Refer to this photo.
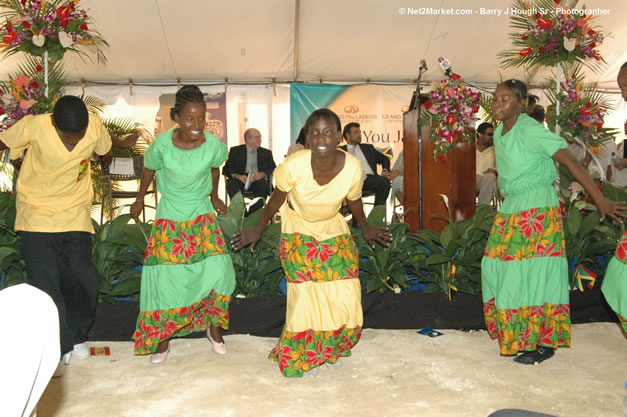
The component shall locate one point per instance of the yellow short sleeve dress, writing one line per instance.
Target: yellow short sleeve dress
(324, 316)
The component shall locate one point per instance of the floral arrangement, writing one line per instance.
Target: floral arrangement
(55, 26)
(452, 109)
(547, 33)
(25, 93)
(582, 111)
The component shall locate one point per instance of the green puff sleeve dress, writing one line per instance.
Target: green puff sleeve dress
(524, 270)
(614, 285)
(188, 277)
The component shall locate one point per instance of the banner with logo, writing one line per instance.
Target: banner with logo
(377, 108)
(215, 116)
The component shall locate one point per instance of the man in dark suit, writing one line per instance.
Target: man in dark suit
(370, 158)
(249, 160)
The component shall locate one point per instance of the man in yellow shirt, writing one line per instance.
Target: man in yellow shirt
(53, 197)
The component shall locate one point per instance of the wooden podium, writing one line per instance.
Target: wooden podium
(455, 178)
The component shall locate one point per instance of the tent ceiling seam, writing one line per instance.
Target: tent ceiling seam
(165, 37)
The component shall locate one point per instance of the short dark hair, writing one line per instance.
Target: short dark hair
(70, 114)
(187, 94)
(623, 66)
(323, 114)
(348, 127)
(537, 113)
(301, 139)
(518, 87)
(484, 126)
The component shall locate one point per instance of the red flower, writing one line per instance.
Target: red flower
(72, 5)
(168, 329)
(428, 104)
(187, 245)
(285, 356)
(148, 249)
(9, 27)
(526, 52)
(441, 158)
(592, 44)
(542, 49)
(156, 315)
(219, 240)
(530, 224)
(592, 32)
(84, 26)
(538, 15)
(525, 37)
(165, 224)
(545, 23)
(312, 252)
(456, 106)
(455, 77)
(524, 337)
(64, 23)
(26, 24)
(9, 38)
(621, 250)
(39, 68)
(588, 105)
(63, 13)
(557, 1)
(1, 111)
(34, 84)
(451, 119)
(547, 335)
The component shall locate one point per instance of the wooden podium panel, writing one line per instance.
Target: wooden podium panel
(454, 178)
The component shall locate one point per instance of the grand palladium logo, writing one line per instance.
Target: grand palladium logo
(351, 109)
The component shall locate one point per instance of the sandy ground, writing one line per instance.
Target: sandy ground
(391, 373)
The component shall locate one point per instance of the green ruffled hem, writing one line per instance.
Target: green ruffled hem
(301, 352)
(524, 328)
(155, 326)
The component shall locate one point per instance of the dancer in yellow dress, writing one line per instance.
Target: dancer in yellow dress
(324, 317)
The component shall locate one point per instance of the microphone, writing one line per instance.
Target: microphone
(423, 65)
(446, 65)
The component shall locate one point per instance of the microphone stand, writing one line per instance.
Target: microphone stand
(419, 133)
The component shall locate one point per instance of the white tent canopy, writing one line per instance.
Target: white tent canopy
(205, 41)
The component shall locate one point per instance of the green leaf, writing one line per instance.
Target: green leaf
(574, 221)
(437, 259)
(377, 216)
(447, 235)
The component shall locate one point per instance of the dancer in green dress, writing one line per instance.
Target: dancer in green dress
(188, 276)
(524, 269)
(614, 285)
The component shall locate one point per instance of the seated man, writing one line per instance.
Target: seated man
(249, 160)
(370, 158)
(486, 163)
(396, 176)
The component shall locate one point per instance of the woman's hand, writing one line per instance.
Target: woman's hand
(219, 205)
(611, 208)
(248, 236)
(136, 208)
(376, 233)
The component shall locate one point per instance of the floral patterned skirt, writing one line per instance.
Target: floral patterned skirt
(187, 280)
(524, 275)
(615, 282)
(324, 317)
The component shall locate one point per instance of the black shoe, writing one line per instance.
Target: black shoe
(541, 354)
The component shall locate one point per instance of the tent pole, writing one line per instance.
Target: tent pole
(296, 37)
